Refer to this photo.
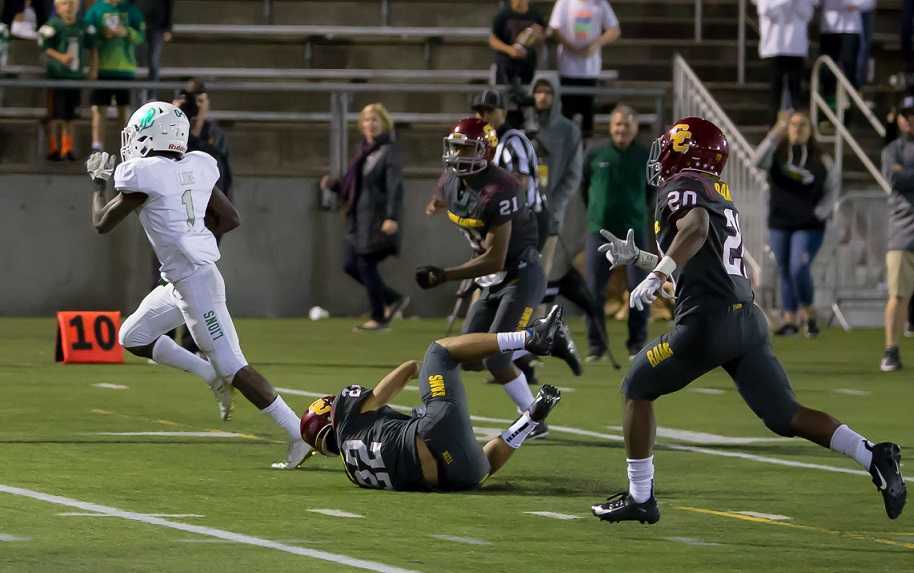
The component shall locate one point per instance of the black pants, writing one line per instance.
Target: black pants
(843, 50)
(364, 269)
(572, 287)
(785, 70)
(573, 104)
(907, 30)
(42, 10)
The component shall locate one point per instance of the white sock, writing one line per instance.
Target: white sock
(640, 478)
(853, 445)
(508, 341)
(519, 391)
(166, 351)
(518, 354)
(515, 435)
(283, 415)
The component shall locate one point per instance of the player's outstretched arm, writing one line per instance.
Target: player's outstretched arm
(388, 388)
(221, 215)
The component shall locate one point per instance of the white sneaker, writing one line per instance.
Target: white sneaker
(299, 451)
(223, 392)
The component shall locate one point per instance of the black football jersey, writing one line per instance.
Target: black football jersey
(497, 200)
(716, 277)
(379, 447)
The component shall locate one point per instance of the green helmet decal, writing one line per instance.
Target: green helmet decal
(146, 120)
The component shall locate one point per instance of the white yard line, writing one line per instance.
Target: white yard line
(851, 392)
(336, 513)
(554, 515)
(677, 447)
(5, 537)
(703, 438)
(463, 540)
(708, 391)
(207, 531)
(107, 386)
(214, 434)
(771, 516)
(692, 541)
(93, 514)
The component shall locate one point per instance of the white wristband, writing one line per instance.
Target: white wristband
(667, 266)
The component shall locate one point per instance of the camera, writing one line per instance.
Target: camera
(189, 104)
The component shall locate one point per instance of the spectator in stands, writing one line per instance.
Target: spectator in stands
(11, 8)
(205, 133)
(840, 26)
(898, 169)
(516, 32)
(119, 27)
(802, 187)
(896, 125)
(784, 42)
(158, 17)
(582, 28)
(64, 40)
(371, 195)
(616, 192)
(867, 16)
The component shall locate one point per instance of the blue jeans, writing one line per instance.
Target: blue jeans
(866, 39)
(795, 251)
(598, 279)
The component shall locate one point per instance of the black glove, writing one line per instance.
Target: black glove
(428, 276)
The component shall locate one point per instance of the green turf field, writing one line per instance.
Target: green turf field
(225, 510)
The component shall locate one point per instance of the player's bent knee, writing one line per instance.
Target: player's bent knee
(133, 335)
(437, 353)
(632, 389)
(780, 423)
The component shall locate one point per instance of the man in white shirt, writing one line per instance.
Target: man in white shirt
(784, 42)
(180, 207)
(582, 28)
(840, 26)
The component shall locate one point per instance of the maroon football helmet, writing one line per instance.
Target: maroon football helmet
(317, 426)
(692, 143)
(470, 146)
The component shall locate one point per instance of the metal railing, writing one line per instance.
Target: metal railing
(748, 184)
(340, 99)
(845, 95)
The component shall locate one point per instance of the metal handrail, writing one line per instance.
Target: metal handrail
(844, 88)
(748, 183)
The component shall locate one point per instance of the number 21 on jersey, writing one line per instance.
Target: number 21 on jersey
(733, 246)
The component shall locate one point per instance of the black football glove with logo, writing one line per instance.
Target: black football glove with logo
(429, 277)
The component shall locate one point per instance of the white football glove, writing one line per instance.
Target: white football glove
(100, 166)
(646, 292)
(617, 251)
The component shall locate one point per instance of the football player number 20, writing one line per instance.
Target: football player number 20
(733, 246)
(372, 472)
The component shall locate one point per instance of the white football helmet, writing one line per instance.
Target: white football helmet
(157, 126)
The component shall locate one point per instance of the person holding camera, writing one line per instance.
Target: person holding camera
(205, 133)
(371, 196)
(516, 31)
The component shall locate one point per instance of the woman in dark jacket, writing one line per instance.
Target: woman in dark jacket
(371, 195)
(801, 181)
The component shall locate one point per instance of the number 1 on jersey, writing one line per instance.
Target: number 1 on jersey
(188, 199)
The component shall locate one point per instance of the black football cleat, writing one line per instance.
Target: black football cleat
(541, 336)
(621, 507)
(546, 399)
(886, 471)
(563, 347)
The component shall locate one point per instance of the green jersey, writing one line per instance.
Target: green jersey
(73, 39)
(116, 55)
(616, 185)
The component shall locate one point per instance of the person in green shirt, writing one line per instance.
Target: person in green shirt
(119, 30)
(615, 192)
(64, 40)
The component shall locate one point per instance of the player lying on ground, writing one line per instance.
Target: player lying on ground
(434, 448)
(180, 207)
(717, 323)
(490, 209)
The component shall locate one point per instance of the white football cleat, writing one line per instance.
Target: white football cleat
(299, 451)
(222, 390)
